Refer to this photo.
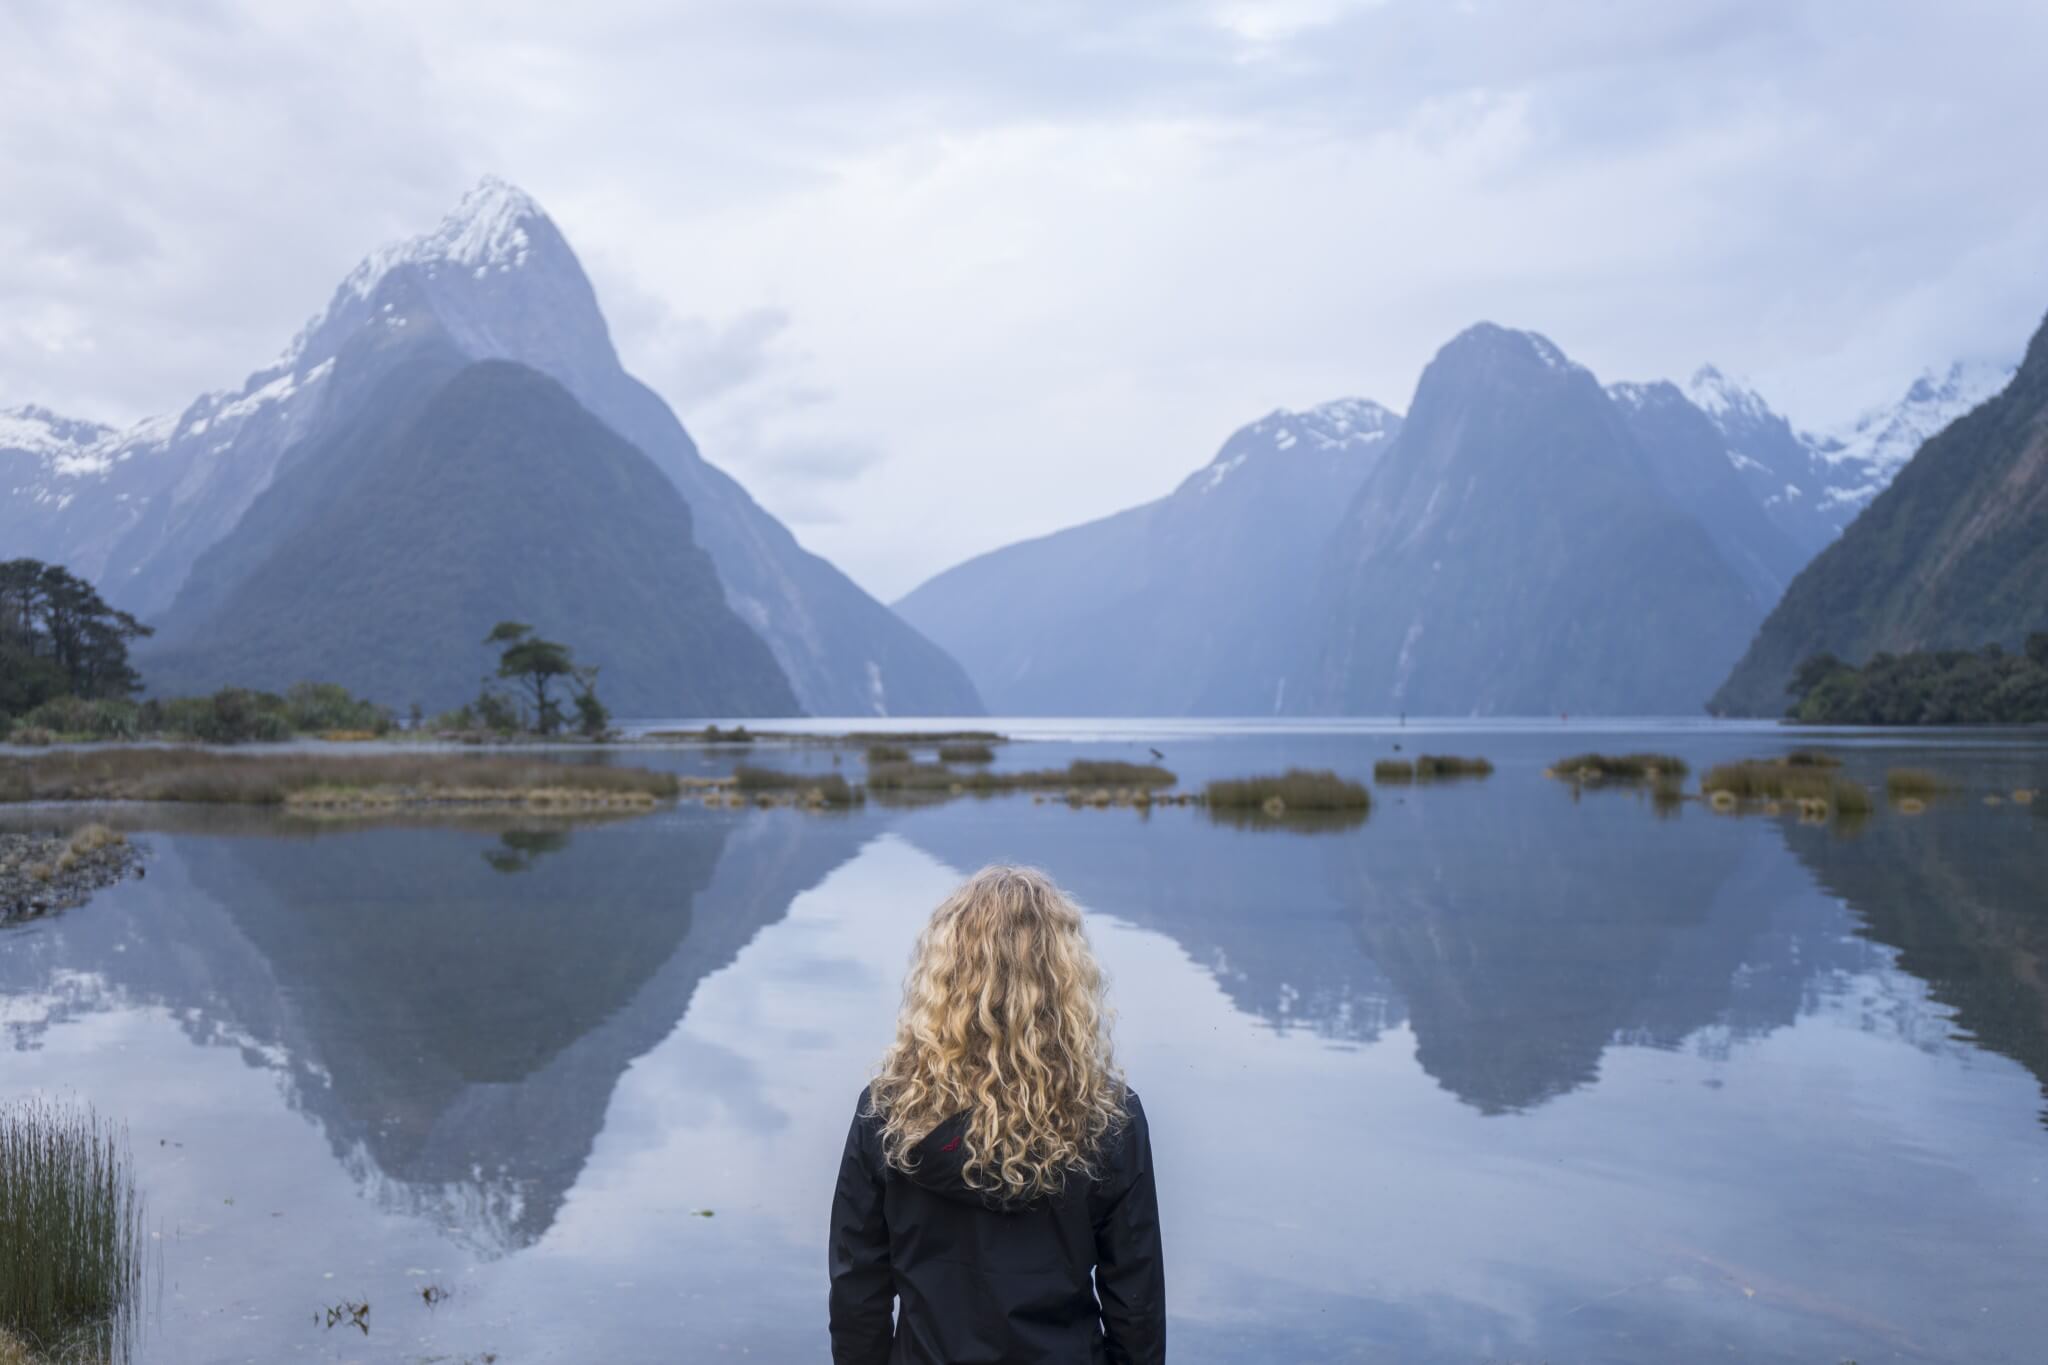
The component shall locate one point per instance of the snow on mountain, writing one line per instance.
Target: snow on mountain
(1815, 484)
(1343, 424)
(1870, 450)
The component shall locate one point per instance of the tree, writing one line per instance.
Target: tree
(59, 637)
(537, 666)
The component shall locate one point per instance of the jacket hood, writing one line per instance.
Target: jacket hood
(941, 1159)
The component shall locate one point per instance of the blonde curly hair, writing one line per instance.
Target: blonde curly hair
(1004, 1020)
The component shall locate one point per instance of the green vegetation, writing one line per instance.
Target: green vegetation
(1393, 770)
(70, 1232)
(1619, 767)
(536, 666)
(921, 738)
(1432, 767)
(324, 781)
(59, 641)
(233, 715)
(1900, 783)
(888, 753)
(1811, 758)
(1941, 687)
(966, 753)
(1297, 789)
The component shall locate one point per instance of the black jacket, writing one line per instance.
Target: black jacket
(980, 1285)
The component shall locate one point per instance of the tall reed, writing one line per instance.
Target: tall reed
(70, 1231)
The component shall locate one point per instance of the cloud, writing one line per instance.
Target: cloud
(988, 270)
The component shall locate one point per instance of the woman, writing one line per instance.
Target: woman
(998, 1159)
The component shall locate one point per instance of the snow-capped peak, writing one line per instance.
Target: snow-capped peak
(41, 432)
(1886, 437)
(486, 231)
(1724, 396)
(1340, 425)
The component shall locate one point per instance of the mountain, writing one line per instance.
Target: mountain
(1689, 458)
(1516, 552)
(464, 494)
(1952, 554)
(1814, 485)
(134, 510)
(1189, 605)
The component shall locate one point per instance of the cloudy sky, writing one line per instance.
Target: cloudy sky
(930, 277)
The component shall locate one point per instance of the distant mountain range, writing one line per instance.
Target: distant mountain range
(1526, 542)
(135, 510)
(1191, 605)
(1952, 554)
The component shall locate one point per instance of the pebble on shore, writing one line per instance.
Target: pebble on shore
(42, 873)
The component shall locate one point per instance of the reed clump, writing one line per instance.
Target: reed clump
(888, 753)
(1619, 767)
(1435, 767)
(1817, 791)
(197, 775)
(966, 753)
(1393, 770)
(781, 786)
(1900, 783)
(71, 1240)
(1297, 789)
(1087, 773)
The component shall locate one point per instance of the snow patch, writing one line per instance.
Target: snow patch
(485, 232)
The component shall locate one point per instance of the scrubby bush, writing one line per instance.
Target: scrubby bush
(72, 718)
(312, 708)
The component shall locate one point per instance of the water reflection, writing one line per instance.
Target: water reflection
(457, 1050)
(1959, 893)
(1518, 939)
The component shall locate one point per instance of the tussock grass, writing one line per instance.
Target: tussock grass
(1816, 791)
(764, 785)
(888, 753)
(1433, 767)
(1810, 758)
(966, 753)
(1619, 767)
(71, 1239)
(1903, 782)
(939, 778)
(132, 774)
(1297, 789)
(923, 738)
(1393, 770)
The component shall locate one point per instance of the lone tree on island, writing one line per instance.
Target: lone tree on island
(537, 666)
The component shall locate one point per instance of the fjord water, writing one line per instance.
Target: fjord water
(1501, 1073)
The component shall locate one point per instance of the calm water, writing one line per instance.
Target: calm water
(1497, 1075)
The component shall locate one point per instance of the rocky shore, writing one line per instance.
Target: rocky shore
(42, 873)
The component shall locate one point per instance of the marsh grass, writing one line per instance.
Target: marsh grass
(811, 789)
(1619, 767)
(1297, 789)
(1435, 767)
(1394, 770)
(966, 753)
(171, 774)
(1810, 758)
(71, 1241)
(1816, 790)
(888, 753)
(1900, 783)
(939, 779)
